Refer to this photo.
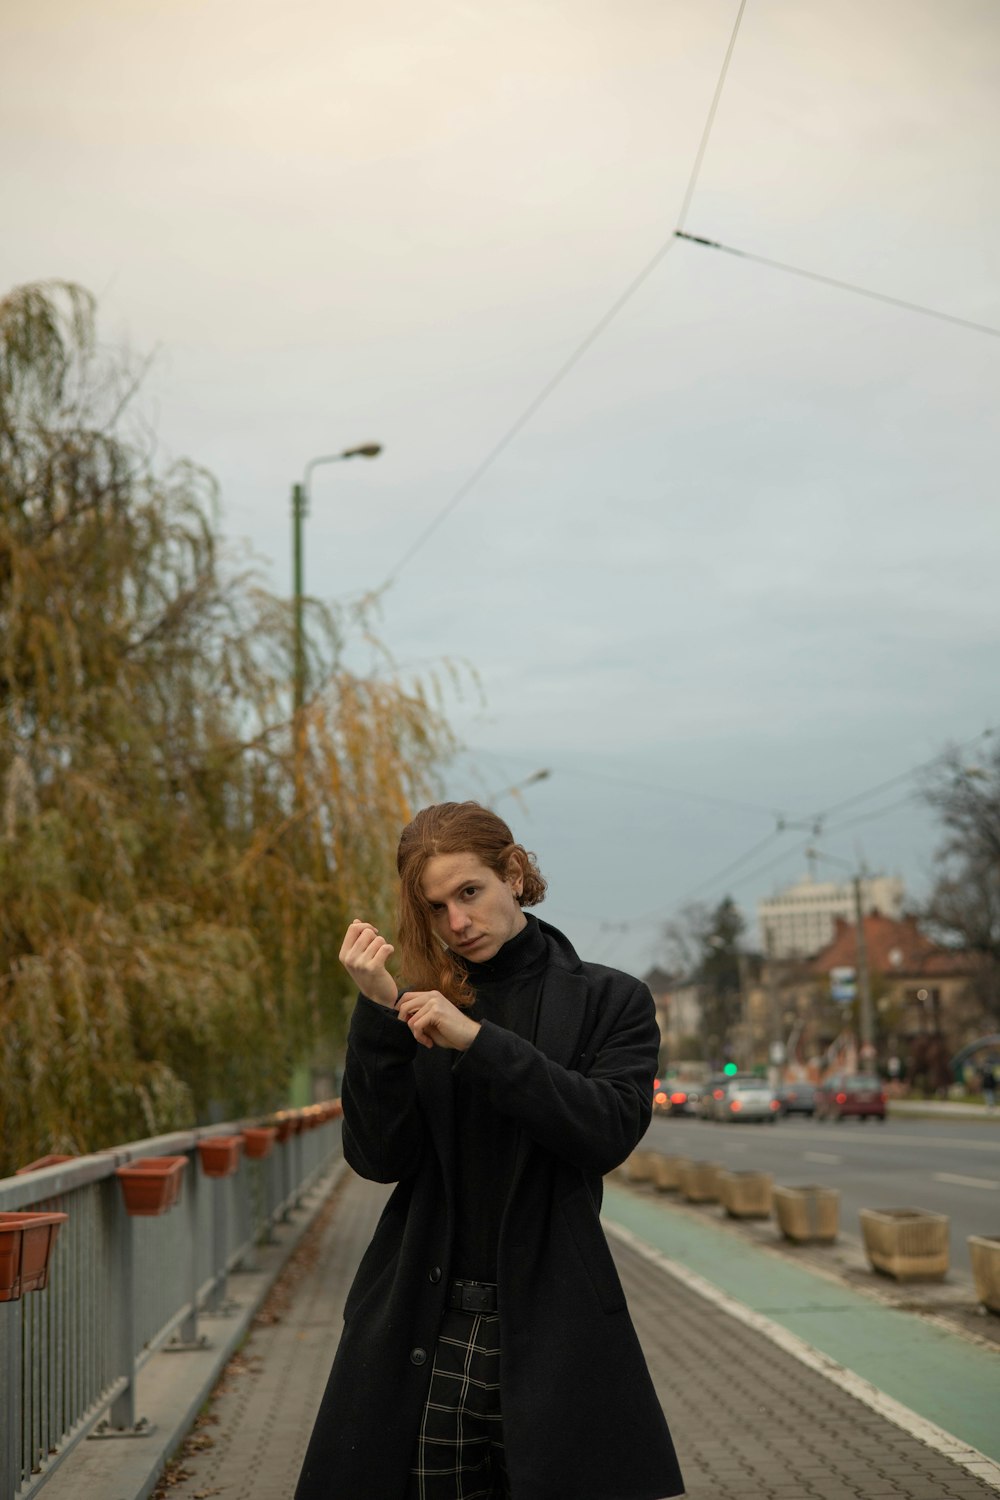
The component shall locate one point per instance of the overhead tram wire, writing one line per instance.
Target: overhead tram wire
(815, 825)
(591, 338)
(844, 286)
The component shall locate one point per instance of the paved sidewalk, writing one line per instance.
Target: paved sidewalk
(749, 1419)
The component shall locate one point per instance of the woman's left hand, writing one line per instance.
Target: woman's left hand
(436, 1022)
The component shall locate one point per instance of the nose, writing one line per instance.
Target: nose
(457, 918)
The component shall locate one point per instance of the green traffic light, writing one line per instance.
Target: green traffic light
(730, 1069)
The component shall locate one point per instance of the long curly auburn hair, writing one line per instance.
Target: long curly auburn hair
(451, 828)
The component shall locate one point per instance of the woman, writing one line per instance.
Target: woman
(487, 1350)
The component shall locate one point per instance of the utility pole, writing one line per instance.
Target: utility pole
(866, 1018)
(775, 1044)
(742, 962)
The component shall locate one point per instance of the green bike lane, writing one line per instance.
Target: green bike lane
(943, 1377)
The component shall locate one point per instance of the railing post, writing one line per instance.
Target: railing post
(220, 1274)
(123, 1408)
(187, 1338)
(10, 1403)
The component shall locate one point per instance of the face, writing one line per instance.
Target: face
(472, 910)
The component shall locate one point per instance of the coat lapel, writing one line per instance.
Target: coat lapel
(561, 1015)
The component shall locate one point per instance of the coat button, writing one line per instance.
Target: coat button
(434, 1274)
(418, 1356)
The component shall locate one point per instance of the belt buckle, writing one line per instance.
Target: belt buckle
(478, 1298)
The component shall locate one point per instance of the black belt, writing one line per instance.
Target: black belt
(473, 1296)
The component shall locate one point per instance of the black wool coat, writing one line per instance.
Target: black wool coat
(580, 1415)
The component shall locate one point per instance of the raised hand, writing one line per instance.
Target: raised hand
(364, 953)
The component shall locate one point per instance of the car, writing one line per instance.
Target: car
(712, 1092)
(748, 1098)
(675, 1097)
(683, 1098)
(844, 1094)
(797, 1099)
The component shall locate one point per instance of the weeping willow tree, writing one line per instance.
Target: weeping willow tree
(178, 860)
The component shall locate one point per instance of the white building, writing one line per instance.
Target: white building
(799, 920)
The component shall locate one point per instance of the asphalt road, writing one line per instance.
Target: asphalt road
(950, 1166)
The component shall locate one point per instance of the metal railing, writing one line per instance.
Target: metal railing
(122, 1287)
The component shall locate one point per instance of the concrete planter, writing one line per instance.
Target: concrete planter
(700, 1181)
(639, 1166)
(984, 1252)
(807, 1214)
(746, 1195)
(910, 1244)
(666, 1172)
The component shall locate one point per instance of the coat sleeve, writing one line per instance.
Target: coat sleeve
(593, 1119)
(383, 1123)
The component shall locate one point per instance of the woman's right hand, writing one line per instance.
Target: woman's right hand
(363, 953)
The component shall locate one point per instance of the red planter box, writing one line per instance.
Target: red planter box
(286, 1127)
(258, 1141)
(43, 1161)
(26, 1242)
(220, 1155)
(152, 1184)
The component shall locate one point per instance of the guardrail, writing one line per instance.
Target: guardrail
(121, 1287)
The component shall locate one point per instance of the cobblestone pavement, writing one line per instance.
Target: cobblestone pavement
(750, 1421)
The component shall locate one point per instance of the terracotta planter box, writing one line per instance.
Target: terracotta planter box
(910, 1244)
(666, 1172)
(984, 1252)
(807, 1214)
(220, 1155)
(26, 1242)
(285, 1127)
(336, 1110)
(43, 1161)
(700, 1181)
(258, 1141)
(152, 1184)
(746, 1195)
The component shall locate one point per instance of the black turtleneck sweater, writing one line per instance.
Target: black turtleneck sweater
(508, 988)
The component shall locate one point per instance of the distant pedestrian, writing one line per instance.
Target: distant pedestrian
(988, 1080)
(487, 1351)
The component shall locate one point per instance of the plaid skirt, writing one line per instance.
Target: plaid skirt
(459, 1452)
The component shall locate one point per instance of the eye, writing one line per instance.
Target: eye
(470, 890)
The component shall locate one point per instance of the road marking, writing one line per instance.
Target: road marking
(821, 1156)
(979, 1182)
(887, 1136)
(925, 1431)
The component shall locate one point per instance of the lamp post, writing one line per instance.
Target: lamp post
(300, 509)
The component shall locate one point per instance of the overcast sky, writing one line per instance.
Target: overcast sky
(744, 560)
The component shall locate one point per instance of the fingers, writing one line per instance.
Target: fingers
(363, 941)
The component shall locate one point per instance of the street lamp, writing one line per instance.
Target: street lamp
(300, 509)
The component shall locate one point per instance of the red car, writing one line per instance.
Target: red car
(844, 1094)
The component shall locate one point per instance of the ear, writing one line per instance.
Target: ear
(515, 876)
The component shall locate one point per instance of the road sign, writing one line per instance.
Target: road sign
(843, 985)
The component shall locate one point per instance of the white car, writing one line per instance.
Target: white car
(748, 1099)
